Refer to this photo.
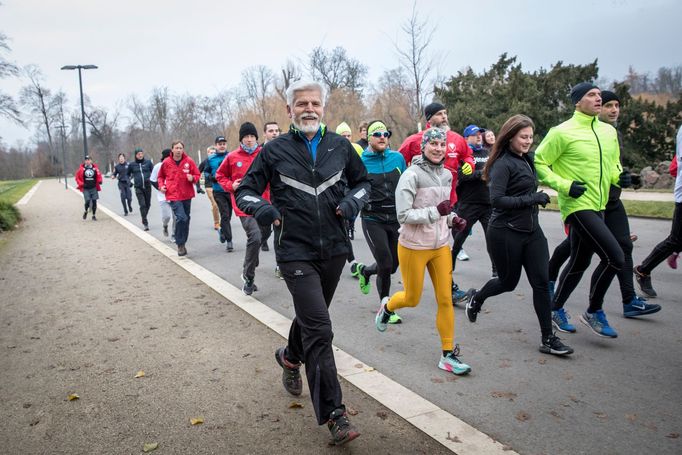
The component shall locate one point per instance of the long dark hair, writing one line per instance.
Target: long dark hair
(510, 128)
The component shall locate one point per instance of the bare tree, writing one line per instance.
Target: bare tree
(415, 57)
(337, 70)
(8, 107)
(103, 128)
(257, 83)
(38, 100)
(291, 73)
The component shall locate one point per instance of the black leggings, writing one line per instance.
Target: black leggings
(224, 202)
(471, 213)
(589, 234)
(312, 285)
(617, 221)
(382, 239)
(94, 206)
(512, 250)
(672, 244)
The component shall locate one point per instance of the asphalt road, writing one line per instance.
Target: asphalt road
(612, 396)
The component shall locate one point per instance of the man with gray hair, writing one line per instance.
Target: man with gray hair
(317, 182)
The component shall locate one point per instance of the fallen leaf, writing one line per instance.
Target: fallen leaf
(359, 365)
(369, 369)
(437, 380)
(149, 446)
(556, 414)
(672, 435)
(73, 396)
(452, 438)
(139, 374)
(507, 448)
(383, 415)
(542, 361)
(501, 394)
(246, 355)
(351, 411)
(196, 420)
(295, 405)
(601, 415)
(522, 416)
(631, 417)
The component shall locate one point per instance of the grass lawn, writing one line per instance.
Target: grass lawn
(10, 193)
(646, 209)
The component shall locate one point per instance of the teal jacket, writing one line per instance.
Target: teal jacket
(581, 149)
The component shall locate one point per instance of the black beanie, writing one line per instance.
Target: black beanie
(580, 90)
(246, 129)
(608, 95)
(431, 109)
(165, 153)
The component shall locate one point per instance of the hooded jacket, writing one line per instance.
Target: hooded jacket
(140, 171)
(457, 153)
(420, 189)
(384, 170)
(174, 177)
(234, 167)
(121, 171)
(82, 176)
(306, 192)
(581, 149)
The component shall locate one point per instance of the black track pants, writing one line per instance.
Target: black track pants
(672, 244)
(589, 234)
(472, 213)
(224, 201)
(382, 239)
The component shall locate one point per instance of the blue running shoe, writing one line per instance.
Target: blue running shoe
(458, 295)
(451, 363)
(560, 322)
(639, 307)
(598, 323)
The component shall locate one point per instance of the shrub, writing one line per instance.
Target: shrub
(9, 216)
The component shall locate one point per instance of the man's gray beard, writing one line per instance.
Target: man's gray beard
(306, 129)
(443, 126)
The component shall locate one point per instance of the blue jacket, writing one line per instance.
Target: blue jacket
(213, 162)
(384, 170)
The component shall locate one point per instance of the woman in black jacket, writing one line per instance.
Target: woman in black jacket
(514, 236)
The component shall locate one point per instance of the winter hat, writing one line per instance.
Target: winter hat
(376, 125)
(343, 128)
(431, 134)
(165, 154)
(431, 109)
(246, 129)
(607, 96)
(578, 91)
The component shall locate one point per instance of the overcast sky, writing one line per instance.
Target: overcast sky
(201, 46)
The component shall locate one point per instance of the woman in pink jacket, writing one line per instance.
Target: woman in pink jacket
(424, 212)
(177, 176)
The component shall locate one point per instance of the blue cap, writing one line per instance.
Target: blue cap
(470, 130)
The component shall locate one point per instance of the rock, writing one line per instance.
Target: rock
(665, 181)
(663, 167)
(649, 178)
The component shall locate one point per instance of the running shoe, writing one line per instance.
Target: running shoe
(130, 209)
(672, 260)
(264, 246)
(639, 307)
(291, 373)
(598, 323)
(355, 269)
(278, 273)
(85, 215)
(395, 319)
(383, 316)
(451, 363)
(553, 345)
(249, 286)
(94, 218)
(560, 322)
(182, 251)
(340, 427)
(365, 284)
(462, 255)
(165, 231)
(221, 237)
(644, 283)
(457, 294)
(473, 307)
(229, 247)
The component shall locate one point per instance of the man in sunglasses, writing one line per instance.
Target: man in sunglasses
(457, 154)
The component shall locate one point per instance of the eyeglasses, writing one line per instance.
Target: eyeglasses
(385, 134)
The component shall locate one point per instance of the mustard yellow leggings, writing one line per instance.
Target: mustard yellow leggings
(412, 266)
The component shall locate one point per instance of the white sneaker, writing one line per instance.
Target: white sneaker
(462, 255)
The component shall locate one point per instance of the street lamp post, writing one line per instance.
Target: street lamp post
(80, 83)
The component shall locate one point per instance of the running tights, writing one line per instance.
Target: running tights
(382, 239)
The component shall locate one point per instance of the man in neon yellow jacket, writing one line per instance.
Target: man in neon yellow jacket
(580, 159)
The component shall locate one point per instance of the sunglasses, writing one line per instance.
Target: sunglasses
(385, 134)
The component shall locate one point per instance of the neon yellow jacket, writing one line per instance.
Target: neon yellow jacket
(580, 149)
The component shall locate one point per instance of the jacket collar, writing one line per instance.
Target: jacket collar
(296, 132)
(584, 119)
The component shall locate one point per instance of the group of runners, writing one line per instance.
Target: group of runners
(417, 206)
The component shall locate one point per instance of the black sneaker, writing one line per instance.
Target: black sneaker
(165, 231)
(125, 213)
(644, 283)
(94, 218)
(182, 251)
(473, 307)
(249, 286)
(146, 227)
(264, 247)
(85, 215)
(340, 427)
(221, 237)
(291, 373)
(553, 345)
(130, 209)
(229, 247)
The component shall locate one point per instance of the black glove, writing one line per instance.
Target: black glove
(541, 198)
(577, 189)
(625, 180)
(347, 210)
(443, 207)
(267, 214)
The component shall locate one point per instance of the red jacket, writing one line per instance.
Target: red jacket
(673, 167)
(174, 177)
(79, 177)
(234, 167)
(457, 153)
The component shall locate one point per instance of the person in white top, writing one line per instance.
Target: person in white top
(166, 212)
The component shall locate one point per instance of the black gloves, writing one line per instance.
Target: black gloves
(625, 180)
(443, 207)
(541, 198)
(347, 210)
(577, 189)
(267, 214)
